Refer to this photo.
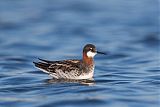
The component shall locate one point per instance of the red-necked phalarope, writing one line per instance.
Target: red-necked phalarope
(71, 69)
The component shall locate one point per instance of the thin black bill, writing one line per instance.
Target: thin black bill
(101, 53)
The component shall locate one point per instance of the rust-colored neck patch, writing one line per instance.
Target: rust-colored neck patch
(87, 60)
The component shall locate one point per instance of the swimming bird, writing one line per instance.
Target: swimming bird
(71, 69)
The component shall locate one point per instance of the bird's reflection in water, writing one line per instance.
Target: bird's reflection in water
(88, 82)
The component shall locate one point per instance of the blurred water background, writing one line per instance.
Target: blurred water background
(58, 29)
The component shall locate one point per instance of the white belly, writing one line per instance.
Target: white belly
(86, 76)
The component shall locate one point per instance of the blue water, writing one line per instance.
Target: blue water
(129, 76)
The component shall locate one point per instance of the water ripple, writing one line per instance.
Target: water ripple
(127, 76)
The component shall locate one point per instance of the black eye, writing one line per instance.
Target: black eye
(91, 49)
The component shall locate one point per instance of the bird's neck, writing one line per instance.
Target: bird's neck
(88, 60)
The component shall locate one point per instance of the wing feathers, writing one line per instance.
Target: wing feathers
(64, 67)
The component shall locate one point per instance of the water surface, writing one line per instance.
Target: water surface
(128, 30)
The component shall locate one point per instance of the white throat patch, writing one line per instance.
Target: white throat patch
(91, 54)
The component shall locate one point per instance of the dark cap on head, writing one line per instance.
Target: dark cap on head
(89, 47)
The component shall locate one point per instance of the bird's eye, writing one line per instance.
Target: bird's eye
(91, 49)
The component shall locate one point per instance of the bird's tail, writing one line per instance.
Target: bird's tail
(42, 65)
